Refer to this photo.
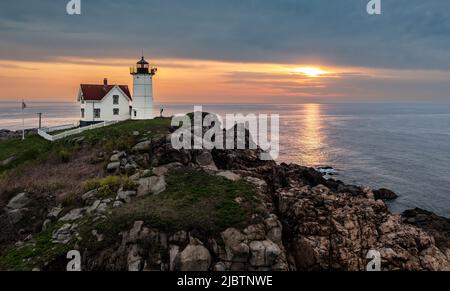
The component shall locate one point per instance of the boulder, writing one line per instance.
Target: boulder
(193, 258)
(263, 253)
(144, 146)
(257, 182)
(93, 207)
(16, 215)
(255, 232)
(151, 185)
(19, 201)
(117, 156)
(112, 167)
(163, 170)
(160, 171)
(90, 196)
(131, 167)
(205, 159)
(102, 208)
(384, 194)
(134, 260)
(63, 235)
(274, 229)
(117, 204)
(173, 252)
(125, 196)
(236, 248)
(54, 212)
(73, 215)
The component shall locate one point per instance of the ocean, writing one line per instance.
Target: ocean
(402, 147)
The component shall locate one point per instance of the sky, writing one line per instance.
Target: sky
(230, 51)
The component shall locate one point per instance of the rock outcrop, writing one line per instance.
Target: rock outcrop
(299, 220)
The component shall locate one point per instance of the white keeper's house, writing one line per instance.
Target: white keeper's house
(110, 102)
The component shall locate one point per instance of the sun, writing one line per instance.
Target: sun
(309, 71)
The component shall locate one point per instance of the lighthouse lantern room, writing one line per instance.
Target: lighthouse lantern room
(142, 90)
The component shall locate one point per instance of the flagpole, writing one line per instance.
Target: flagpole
(23, 121)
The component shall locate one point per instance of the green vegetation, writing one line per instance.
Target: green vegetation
(109, 185)
(34, 254)
(193, 201)
(115, 137)
(31, 148)
(120, 136)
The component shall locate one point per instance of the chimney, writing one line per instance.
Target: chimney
(105, 84)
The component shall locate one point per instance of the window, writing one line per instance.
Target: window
(116, 111)
(116, 99)
(82, 112)
(96, 113)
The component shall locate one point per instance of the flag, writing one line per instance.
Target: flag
(24, 105)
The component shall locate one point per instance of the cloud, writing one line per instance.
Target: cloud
(17, 67)
(298, 84)
(410, 34)
(232, 46)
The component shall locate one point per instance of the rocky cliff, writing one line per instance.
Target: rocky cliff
(150, 207)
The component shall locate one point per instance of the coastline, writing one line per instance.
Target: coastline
(6, 134)
(202, 210)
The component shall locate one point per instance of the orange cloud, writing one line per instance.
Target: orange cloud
(186, 81)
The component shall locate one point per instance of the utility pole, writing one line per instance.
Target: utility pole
(40, 119)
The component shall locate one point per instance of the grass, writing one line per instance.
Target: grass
(35, 254)
(115, 137)
(193, 201)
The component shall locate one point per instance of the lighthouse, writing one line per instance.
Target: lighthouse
(142, 90)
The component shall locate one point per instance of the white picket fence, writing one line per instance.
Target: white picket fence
(45, 132)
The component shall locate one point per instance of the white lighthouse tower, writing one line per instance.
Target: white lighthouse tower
(142, 90)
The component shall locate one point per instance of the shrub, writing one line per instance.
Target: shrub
(109, 185)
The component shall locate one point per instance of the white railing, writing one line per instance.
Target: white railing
(59, 127)
(44, 132)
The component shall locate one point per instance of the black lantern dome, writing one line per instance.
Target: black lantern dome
(142, 66)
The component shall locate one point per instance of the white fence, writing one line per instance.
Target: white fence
(45, 132)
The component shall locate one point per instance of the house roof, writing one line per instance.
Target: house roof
(98, 92)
